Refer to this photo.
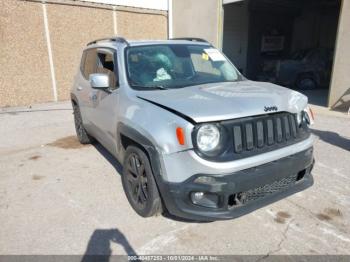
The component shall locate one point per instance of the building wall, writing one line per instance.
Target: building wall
(25, 71)
(25, 74)
(70, 29)
(339, 96)
(197, 18)
(142, 26)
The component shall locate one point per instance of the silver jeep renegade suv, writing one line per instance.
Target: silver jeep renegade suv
(195, 137)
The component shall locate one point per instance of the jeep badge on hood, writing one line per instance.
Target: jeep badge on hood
(270, 108)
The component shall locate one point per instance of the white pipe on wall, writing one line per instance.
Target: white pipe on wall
(114, 14)
(49, 50)
(170, 18)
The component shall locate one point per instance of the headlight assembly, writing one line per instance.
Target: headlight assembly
(208, 137)
(210, 140)
(305, 116)
(310, 115)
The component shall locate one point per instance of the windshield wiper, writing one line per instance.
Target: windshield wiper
(160, 87)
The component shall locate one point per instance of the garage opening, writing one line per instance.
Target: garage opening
(287, 42)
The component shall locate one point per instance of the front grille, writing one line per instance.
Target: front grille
(255, 135)
(264, 131)
(249, 136)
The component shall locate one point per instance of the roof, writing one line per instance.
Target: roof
(112, 42)
(157, 42)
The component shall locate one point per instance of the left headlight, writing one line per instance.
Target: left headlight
(208, 138)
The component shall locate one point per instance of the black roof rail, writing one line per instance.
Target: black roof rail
(194, 39)
(113, 39)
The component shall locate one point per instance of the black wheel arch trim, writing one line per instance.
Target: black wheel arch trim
(74, 98)
(138, 138)
(152, 153)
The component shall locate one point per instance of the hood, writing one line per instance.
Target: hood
(223, 101)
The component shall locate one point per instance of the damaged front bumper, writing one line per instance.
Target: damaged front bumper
(206, 197)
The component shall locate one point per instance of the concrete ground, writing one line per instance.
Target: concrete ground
(58, 197)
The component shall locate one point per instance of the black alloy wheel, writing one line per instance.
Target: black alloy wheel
(137, 180)
(139, 183)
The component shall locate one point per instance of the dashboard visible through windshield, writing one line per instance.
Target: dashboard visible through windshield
(177, 65)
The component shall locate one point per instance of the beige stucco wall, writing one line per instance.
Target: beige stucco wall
(25, 72)
(71, 28)
(25, 75)
(198, 18)
(142, 26)
(341, 70)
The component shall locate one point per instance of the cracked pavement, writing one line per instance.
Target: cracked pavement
(57, 197)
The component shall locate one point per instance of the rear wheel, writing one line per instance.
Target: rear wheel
(139, 184)
(83, 136)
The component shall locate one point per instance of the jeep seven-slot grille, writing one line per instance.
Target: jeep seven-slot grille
(259, 132)
(250, 136)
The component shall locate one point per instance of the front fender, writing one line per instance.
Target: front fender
(155, 124)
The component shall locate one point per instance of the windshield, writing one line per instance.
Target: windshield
(177, 65)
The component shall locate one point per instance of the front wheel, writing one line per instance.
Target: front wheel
(139, 184)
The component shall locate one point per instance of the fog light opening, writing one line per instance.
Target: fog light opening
(205, 199)
(236, 199)
(301, 175)
(197, 196)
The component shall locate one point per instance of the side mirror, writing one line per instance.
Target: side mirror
(99, 81)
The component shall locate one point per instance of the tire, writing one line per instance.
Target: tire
(83, 136)
(139, 184)
(306, 82)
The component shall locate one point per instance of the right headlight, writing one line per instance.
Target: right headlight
(305, 116)
(208, 138)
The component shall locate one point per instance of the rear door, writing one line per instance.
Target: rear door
(88, 66)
